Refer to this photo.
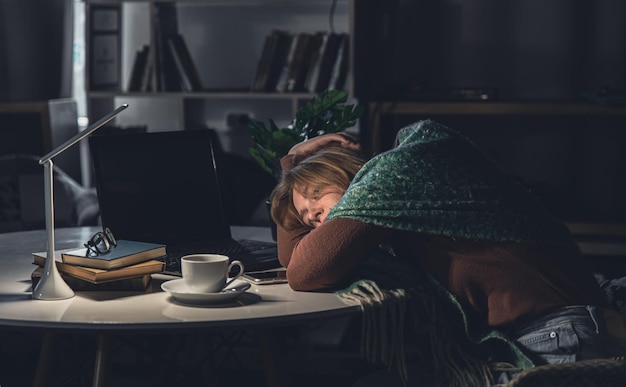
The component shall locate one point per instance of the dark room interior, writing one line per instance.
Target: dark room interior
(539, 86)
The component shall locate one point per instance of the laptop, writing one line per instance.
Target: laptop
(163, 187)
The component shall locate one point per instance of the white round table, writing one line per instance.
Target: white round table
(153, 310)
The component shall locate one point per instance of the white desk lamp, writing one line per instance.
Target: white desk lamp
(51, 286)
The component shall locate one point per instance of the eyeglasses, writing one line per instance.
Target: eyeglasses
(101, 243)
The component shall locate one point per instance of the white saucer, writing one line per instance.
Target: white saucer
(177, 289)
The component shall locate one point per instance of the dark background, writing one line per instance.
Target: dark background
(525, 50)
(35, 49)
(564, 51)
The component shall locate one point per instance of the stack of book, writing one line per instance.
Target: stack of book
(168, 65)
(302, 62)
(128, 266)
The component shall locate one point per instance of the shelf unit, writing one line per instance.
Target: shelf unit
(572, 159)
(225, 39)
(378, 111)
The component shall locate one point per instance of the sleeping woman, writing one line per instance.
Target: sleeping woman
(435, 222)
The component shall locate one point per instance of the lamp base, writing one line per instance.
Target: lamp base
(52, 287)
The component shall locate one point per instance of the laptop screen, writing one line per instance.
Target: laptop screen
(159, 187)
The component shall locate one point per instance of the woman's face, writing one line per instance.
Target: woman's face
(314, 204)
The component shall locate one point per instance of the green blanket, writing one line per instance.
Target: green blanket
(437, 182)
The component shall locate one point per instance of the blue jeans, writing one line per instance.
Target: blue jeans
(565, 335)
(569, 334)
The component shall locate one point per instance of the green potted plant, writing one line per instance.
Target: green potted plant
(327, 112)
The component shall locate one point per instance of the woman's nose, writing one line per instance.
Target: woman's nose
(315, 212)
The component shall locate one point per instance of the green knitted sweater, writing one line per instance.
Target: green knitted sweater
(436, 181)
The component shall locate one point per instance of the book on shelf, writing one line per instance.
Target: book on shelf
(140, 282)
(94, 275)
(296, 70)
(125, 253)
(187, 71)
(284, 73)
(165, 26)
(273, 57)
(258, 83)
(147, 78)
(321, 38)
(326, 62)
(339, 73)
(139, 67)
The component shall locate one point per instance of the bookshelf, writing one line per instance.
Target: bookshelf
(225, 40)
(568, 153)
(378, 111)
(546, 67)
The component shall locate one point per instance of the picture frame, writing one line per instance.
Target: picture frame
(105, 48)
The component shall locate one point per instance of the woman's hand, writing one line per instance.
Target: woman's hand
(312, 145)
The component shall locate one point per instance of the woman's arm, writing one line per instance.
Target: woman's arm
(321, 259)
(287, 241)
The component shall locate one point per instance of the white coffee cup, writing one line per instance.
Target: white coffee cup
(208, 273)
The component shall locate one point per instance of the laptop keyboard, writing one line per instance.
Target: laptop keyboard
(245, 246)
(255, 255)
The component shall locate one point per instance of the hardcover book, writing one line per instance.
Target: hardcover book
(320, 39)
(98, 275)
(125, 253)
(281, 85)
(307, 44)
(165, 26)
(273, 57)
(327, 61)
(341, 67)
(147, 76)
(263, 65)
(187, 71)
(139, 66)
(78, 284)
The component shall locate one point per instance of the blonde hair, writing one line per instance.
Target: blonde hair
(332, 166)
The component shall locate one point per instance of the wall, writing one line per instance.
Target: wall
(35, 49)
(525, 49)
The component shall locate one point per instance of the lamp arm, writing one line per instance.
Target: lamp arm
(79, 136)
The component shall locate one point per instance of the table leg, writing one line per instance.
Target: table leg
(101, 366)
(272, 359)
(45, 357)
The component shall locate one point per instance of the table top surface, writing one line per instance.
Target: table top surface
(261, 305)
